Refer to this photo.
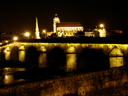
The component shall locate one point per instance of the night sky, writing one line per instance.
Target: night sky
(19, 15)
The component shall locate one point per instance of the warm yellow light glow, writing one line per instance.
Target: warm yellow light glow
(15, 38)
(102, 33)
(69, 31)
(8, 79)
(22, 55)
(101, 25)
(43, 49)
(44, 30)
(5, 51)
(27, 34)
(116, 58)
(0, 43)
(116, 62)
(116, 52)
(37, 33)
(6, 41)
(71, 62)
(71, 50)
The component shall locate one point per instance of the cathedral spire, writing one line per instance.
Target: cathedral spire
(37, 29)
(37, 34)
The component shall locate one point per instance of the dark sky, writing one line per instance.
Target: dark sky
(19, 15)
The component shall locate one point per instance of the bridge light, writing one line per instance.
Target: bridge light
(15, 38)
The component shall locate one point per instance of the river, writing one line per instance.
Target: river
(7, 76)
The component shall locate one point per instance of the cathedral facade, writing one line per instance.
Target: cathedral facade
(64, 29)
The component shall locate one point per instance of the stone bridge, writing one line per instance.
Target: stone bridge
(68, 55)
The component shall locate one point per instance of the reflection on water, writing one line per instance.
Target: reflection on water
(42, 60)
(14, 69)
(9, 79)
(116, 62)
(7, 75)
(71, 62)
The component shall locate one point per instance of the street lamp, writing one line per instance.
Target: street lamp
(27, 34)
(44, 31)
(6, 41)
(15, 38)
(101, 25)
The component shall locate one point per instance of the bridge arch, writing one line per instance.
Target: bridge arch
(115, 57)
(92, 60)
(56, 58)
(31, 56)
(14, 55)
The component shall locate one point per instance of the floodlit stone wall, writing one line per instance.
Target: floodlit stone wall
(117, 53)
(80, 84)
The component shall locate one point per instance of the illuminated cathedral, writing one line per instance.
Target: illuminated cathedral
(63, 29)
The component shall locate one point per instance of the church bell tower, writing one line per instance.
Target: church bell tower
(55, 20)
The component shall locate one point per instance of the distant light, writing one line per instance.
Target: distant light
(121, 32)
(15, 38)
(27, 34)
(44, 31)
(6, 41)
(0, 43)
(101, 25)
(5, 51)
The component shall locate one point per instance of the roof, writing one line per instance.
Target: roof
(68, 24)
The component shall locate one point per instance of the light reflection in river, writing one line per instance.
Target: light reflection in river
(71, 62)
(7, 76)
(8, 79)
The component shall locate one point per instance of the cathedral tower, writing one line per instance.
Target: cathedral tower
(55, 20)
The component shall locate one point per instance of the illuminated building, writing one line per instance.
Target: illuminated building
(65, 28)
(99, 32)
(102, 31)
(89, 34)
(37, 33)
